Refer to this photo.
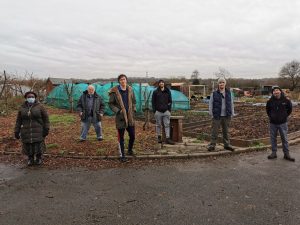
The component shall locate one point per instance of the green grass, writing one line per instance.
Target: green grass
(62, 119)
(100, 151)
(257, 144)
(52, 145)
(201, 137)
(197, 141)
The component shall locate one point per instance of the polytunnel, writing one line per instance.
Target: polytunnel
(58, 96)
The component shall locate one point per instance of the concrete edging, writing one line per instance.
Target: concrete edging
(178, 156)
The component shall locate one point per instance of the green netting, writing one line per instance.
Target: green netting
(59, 98)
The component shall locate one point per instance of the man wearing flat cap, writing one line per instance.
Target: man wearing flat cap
(221, 109)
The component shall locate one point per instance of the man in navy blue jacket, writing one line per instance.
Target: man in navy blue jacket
(278, 109)
(221, 109)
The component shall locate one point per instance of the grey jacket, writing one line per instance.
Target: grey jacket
(97, 109)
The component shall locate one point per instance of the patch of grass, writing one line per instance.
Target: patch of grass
(201, 137)
(257, 144)
(52, 145)
(62, 119)
(100, 151)
(63, 152)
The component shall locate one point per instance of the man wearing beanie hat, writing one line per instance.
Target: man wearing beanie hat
(278, 109)
(221, 109)
(161, 105)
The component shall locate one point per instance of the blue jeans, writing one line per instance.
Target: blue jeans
(85, 126)
(165, 118)
(283, 130)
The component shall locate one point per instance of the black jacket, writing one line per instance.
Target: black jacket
(98, 107)
(32, 122)
(161, 100)
(278, 110)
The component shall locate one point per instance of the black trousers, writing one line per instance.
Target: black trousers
(131, 133)
(34, 149)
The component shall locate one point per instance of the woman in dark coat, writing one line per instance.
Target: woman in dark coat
(32, 126)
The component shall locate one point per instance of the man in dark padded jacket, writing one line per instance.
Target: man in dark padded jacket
(161, 105)
(278, 109)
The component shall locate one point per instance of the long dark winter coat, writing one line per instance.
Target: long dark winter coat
(98, 107)
(123, 119)
(32, 122)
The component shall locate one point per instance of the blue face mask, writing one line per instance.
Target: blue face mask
(30, 100)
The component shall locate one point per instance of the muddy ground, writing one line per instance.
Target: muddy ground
(64, 136)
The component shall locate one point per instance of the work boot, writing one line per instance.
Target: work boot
(229, 148)
(30, 161)
(272, 156)
(210, 148)
(288, 157)
(159, 139)
(170, 141)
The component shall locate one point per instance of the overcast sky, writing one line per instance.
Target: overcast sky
(166, 38)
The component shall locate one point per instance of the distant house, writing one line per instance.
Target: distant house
(53, 82)
(267, 89)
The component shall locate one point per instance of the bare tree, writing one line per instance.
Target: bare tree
(195, 77)
(69, 88)
(5, 92)
(222, 73)
(291, 71)
(3, 83)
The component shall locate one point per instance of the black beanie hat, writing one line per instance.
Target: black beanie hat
(276, 87)
(30, 92)
(161, 81)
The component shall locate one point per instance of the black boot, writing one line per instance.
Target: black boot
(288, 157)
(170, 141)
(30, 161)
(159, 139)
(229, 148)
(211, 147)
(272, 156)
(38, 160)
(123, 159)
(130, 152)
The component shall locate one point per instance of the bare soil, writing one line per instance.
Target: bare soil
(64, 136)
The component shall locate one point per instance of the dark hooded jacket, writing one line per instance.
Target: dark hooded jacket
(278, 110)
(162, 100)
(97, 107)
(32, 122)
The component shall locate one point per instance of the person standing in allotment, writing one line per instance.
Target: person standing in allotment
(279, 107)
(91, 110)
(32, 127)
(221, 109)
(123, 103)
(162, 105)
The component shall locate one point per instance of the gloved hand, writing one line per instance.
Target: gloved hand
(45, 132)
(17, 135)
